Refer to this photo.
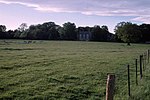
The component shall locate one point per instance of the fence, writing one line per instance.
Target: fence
(127, 76)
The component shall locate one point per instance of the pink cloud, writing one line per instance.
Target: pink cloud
(138, 8)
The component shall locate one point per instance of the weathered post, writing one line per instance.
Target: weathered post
(129, 80)
(148, 55)
(143, 61)
(136, 72)
(141, 67)
(146, 58)
(128, 44)
(110, 86)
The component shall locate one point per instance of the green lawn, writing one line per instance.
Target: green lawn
(64, 69)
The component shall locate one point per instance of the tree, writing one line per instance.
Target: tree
(21, 31)
(96, 33)
(104, 27)
(17, 34)
(34, 31)
(105, 34)
(128, 32)
(2, 31)
(50, 30)
(68, 31)
(2, 28)
(145, 29)
(22, 27)
(101, 34)
(10, 34)
(54, 34)
(47, 30)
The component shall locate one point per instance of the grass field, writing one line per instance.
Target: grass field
(45, 70)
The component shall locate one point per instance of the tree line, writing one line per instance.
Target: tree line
(51, 31)
(129, 32)
(124, 32)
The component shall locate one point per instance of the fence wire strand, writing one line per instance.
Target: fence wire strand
(122, 73)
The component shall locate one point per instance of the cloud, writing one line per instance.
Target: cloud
(138, 8)
(145, 19)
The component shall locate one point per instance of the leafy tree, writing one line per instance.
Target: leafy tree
(47, 30)
(128, 32)
(104, 27)
(68, 31)
(96, 33)
(6, 34)
(2, 28)
(10, 34)
(101, 33)
(145, 29)
(54, 34)
(44, 28)
(50, 30)
(17, 34)
(22, 27)
(106, 36)
(33, 31)
(2, 31)
(21, 33)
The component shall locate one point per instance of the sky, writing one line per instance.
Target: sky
(80, 12)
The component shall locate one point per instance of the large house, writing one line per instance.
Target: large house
(84, 33)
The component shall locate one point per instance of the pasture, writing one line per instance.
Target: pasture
(63, 69)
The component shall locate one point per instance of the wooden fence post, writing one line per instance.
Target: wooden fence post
(110, 86)
(129, 80)
(141, 67)
(146, 59)
(143, 61)
(136, 72)
(148, 55)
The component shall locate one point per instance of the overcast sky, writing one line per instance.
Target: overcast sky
(80, 12)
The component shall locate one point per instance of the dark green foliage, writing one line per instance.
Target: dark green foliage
(145, 29)
(22, 27)
(6, 34)
(2, 31)
(17, 34)
(51, 31)
(128, 32)
(124, 32)
(44, 31)
(21, 32)
(104, 27)
(101, 33)
(96, 33)
(2, 28)
(68, 31)
(54, 34)
(33, 31)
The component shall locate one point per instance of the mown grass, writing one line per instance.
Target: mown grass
(64, 69)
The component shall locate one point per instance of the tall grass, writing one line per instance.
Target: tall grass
(62, 69)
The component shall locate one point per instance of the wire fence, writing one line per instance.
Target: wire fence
(129, 76)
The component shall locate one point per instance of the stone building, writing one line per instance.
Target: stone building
(84, 33)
